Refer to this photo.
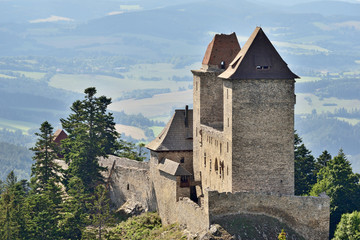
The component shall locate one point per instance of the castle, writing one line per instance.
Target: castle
(230, 157)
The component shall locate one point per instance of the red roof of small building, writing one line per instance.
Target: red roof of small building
(223, 48)
(59, 135)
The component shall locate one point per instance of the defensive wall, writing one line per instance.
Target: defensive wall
(308, 216)
(129, 182)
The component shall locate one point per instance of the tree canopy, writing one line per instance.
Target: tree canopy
(91, 134)
(339, 182)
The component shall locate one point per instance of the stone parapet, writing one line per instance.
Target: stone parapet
(308, 216)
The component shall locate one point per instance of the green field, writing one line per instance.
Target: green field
(139, 76)
(156, 130)
(306, 103)
(16, 125)
(5, 76)
(33, 75)
(352, 121)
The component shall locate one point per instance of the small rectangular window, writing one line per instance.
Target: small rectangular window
(182, 160)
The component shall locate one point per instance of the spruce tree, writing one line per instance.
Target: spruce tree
(339, 182)
(323, 159)
(12, 211)
(75, 209)
(45, 168)
(305, 168)
(91, 134)
(43, 213)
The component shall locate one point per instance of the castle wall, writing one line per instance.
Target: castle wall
(308, 216)
(129, 181)
(176, 156)
(173, 205)
(262, 127)
(207, 108)
(215, 165)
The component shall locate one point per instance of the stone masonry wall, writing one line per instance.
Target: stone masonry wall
(172, 206)
(207, 108)
(129, 181)
(262, 135)
(215, 164)
(308, 216)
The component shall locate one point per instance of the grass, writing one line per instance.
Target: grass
(146, 226)
(156, 130)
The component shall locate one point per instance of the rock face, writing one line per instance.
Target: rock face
(132, 208)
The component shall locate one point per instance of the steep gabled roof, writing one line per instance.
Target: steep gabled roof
(172, 168)
(224, 48)
(258, 59)
(59, 135)
(177, 135)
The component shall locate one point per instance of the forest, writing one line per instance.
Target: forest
(73, 203)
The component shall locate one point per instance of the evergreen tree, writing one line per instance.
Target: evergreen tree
(100, 209)
(323, 159)
(12, 221)
(91, 134)
(75, 210)
(305, 167)
(45, 167)
(339, 182)
(43, 213)
(349, 227)
(128, 150)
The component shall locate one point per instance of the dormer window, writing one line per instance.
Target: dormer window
(222, 65)
(260, 67)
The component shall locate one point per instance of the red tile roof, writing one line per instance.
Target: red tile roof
(224, 48)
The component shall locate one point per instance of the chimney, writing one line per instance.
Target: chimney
(186, 116)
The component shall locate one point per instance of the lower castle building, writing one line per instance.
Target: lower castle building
(232, 157)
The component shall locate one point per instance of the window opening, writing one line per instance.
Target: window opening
(184, 181)
(182, 160)
(216, 165)
(204, 159)
(127, 187)
(222, 64)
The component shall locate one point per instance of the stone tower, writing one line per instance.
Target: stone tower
(208, 94)
(244, 118)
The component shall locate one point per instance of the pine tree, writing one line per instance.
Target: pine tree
(305, 168)
(339, 182)
(323, 159)
(91, 134)
(12, 221)
(43, 213)
(45, 168)
(75, 210)
(100, 209)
